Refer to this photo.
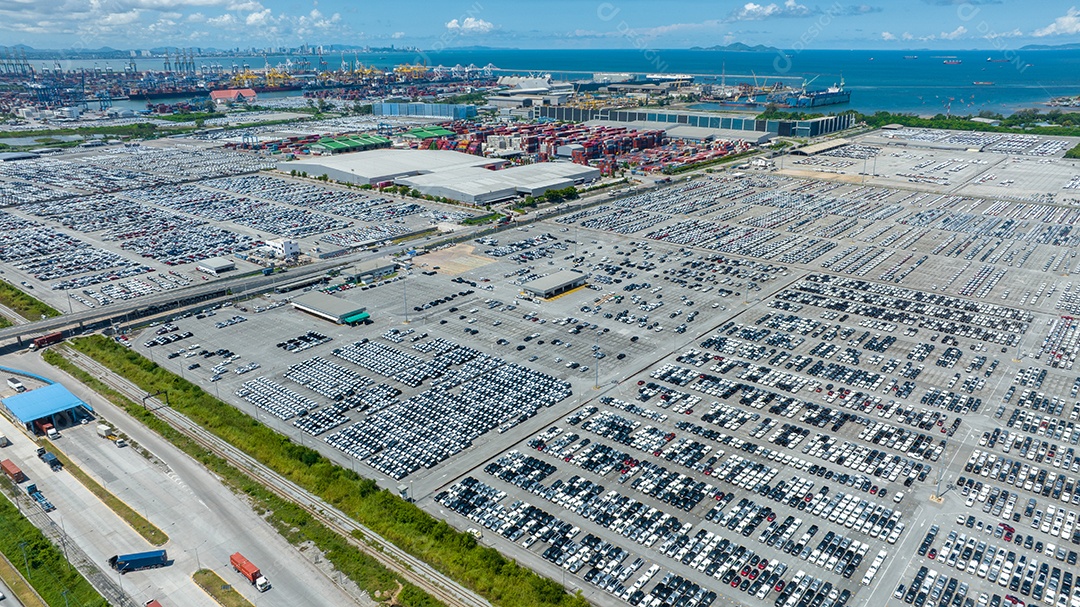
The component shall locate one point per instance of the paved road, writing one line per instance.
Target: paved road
(10, 601)
(205, 521)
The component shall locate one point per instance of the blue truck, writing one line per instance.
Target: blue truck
(125, 563)
(39, 497)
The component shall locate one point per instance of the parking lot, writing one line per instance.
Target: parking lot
(752, 400)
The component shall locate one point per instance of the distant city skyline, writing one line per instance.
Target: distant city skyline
(552, 24)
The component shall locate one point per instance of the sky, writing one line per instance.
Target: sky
(540, 24)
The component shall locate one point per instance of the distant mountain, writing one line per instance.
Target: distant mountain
(1072, 46)
(737, 47)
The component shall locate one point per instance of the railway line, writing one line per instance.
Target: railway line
(392, 557)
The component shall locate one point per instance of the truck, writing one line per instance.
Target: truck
(12, 471)
(153, 603)
(45, 427)
(126, 563)
(47, 340)
(39, 497)
(104, 431)
(49, 458)
(249, 571)
(16, 385)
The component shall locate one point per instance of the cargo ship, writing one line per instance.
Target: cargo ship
(982, 83)
(833, 95)
(952, 62)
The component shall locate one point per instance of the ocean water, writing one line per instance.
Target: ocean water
(896, 81)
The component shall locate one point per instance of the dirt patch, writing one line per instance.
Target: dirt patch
(455, 260)
(823, 175)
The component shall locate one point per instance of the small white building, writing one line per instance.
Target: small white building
(283, 248)
(215, 266)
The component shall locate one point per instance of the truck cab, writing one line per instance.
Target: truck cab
(47, 429)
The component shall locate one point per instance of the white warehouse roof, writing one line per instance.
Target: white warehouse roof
(482, 186)
(378, 166)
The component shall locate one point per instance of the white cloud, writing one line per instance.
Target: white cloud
(470, 25)
(259, 18)
(907, 36)
(674, 28)
(397, 35)
(955, 34)
(755, 12)
(1016, 33)
(887, 36)
(225, 20)
(1069, 23)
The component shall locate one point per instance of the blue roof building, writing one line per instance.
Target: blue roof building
(53, 402)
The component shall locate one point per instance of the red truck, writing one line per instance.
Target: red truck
(47, 340)
(249, 571)
(14, 473)
(46, 428)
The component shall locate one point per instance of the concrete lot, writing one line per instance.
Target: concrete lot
(916, 293)
(205, 521)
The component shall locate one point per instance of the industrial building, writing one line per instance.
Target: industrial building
(479, 186)
(214, 266)
(52, 403)
(351, 143)
(818, 148)
(430, 110)
(385, 166)
(284, 248)
(814, 127)
(555, 284)
(328, 307)
(232, 96)
(368, 271)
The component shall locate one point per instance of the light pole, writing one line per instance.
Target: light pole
(405, 296)
(26, 562)
(198, 563)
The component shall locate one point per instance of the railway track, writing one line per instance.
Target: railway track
(404, 564)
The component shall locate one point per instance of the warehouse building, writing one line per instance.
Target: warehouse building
(555, 284)
(817, 148)
(351, 143)
(333, 309)
(371, 270)
(385, 166)
(52, 403)
(814, 127)
(481, 187)
(456, 111)
(215, 266)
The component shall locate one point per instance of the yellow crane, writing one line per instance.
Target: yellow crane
(244, 79)
(276, 77)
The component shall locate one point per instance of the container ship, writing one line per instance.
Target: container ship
(785, 97)
(952, 62)
(833, 95)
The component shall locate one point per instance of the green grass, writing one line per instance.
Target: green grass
(457, 554)
(291, 521)
(43, 565)
(1074, 152)
(17, 584)
(479, 219)
(24, 304)
(708, 163)
(223, 593)
(143, 527)
(141, 129)
(188, 116)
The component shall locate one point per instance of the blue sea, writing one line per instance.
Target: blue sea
(896, 81)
